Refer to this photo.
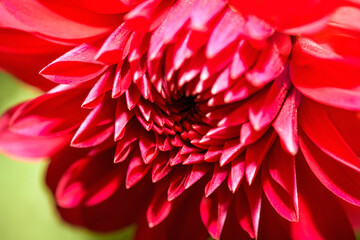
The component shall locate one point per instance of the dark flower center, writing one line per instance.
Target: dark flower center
(184, 111)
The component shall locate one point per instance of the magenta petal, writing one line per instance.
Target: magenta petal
(248, 208)
(227, 30)
(161, 167)
(323, 133)
(197, 172)
(213, 211)
(60, 21)
(264, 109)
(136, 170)
(286, 122)
(203, 12)
(98, 91)
(318, 72)
(35, 118)
(75, 66)
(177, 17)
(316, 221)
(97, 126)
(219, 175)
(177, 183)
(114, 48)
(159, 207)
(148, 147)
(340, 179)
(279, 182)
(255, 154)
(26, 147)
(237, 173)
(76, 186)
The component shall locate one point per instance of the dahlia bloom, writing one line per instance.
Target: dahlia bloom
(235, 119)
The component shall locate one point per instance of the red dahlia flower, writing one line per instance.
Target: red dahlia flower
(234, 119)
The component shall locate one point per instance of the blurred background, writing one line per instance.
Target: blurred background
(26, 208)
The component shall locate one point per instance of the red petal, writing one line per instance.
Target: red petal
(346, 123)
(245, 57)
(213, 211)
(98, 91)
(282, 13)
(97, 126)
(318, 73)
(248, 208)
(77, 185)
(159, 207)
(340, 179)
(268, 103)
(203, 12)
(271, 62)
(237, 173)
(286, 122)
(232, 149)
(34, 118)
(107, 6)
(23, 147)
(279, 182)
(227, 30)
(316, 221)
(77, 65)
(137, 169)
(139, 17)
(197, 172)
(114, 49)
(255, 154)
(60, 21)
(219, 175)
(161, 166)
(177, 183)
(148, 148)
(122, 118)
(319, 128)
(176, 18)
(125, 145)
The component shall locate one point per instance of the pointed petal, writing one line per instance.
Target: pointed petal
(340, 179)
(75, 66)
(159, 207)
(219, 176)
(285, 123)
(237, 173)
(319, 128)
(279, 182)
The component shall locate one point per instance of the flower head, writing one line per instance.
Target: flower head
(233, 119)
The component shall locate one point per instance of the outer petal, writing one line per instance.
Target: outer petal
(34, 118)
(342, 180)
(285, 14)
(27, 147)
(316, 220)
(116, 211)
(320, 64)
(23, 55)
(60, 21)
(77, 65)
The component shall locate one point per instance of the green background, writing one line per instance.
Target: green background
(26, 208)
